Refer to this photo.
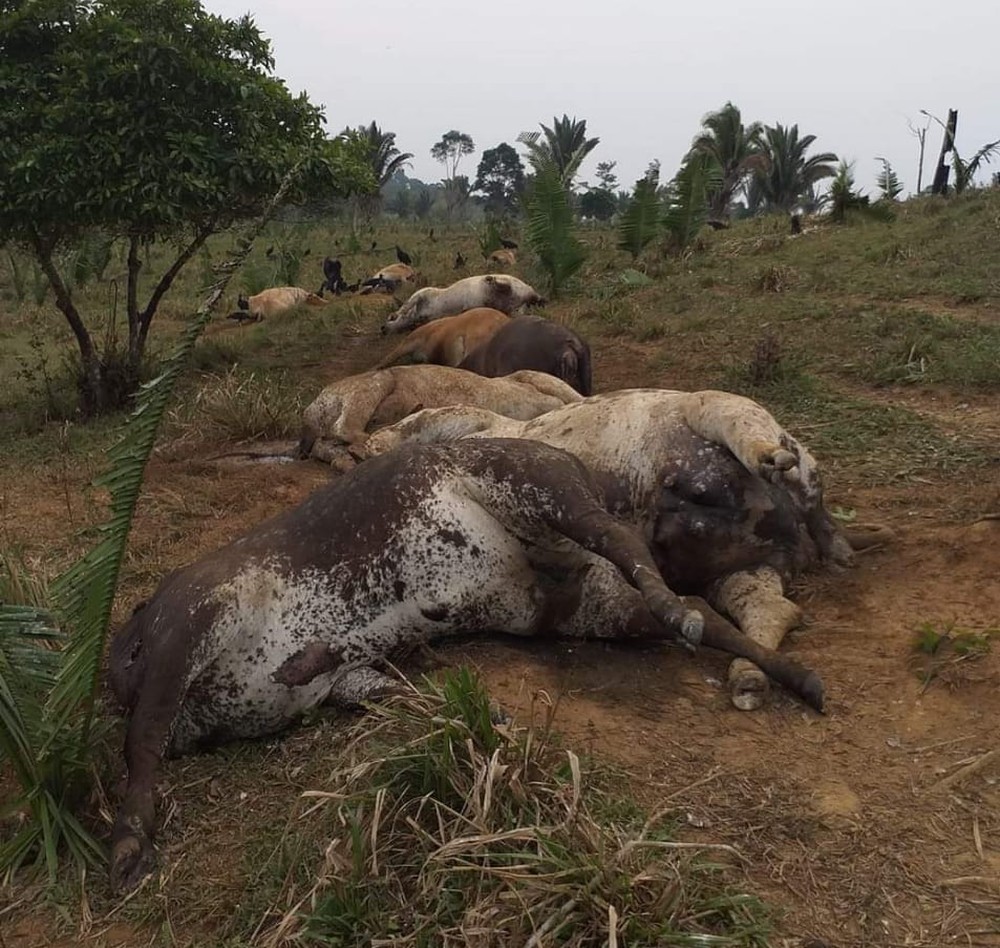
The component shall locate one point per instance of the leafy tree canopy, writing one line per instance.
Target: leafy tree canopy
(148, 120)
(500, 178)
(454, 145)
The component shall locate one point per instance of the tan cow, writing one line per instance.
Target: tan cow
(344, 412)
(389, 279)
(449, 340)
(278, 299)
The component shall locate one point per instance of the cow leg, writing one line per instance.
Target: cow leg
(756, 602)
(358, 685)
(146, 740)
(596, 530)
(760, 444)
(360, 404)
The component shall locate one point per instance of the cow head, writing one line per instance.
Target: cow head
(411, 313)
(714, 517)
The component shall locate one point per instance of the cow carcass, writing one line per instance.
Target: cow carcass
(426, 541)
(729, 502)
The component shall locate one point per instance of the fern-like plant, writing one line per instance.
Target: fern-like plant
(888, 182)
(50, 657)
(641, 220)
(686, 208)
(549, 229)
(965, 171)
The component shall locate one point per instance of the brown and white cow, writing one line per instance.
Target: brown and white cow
(729, 502)
(426, 541)
(495, 290)
(346, 410)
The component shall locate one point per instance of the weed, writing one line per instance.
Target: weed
(941, 653)
(446, 828)
(773, 279)
(240, 406)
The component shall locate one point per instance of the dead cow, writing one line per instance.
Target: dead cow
(424, 542)
(532, 342)
(731, 504)
(346, 410)
(278, 299)
(388, 279)
(503, 258)
(449, 340)
(495, 290)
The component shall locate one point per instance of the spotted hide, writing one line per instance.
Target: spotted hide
(428, 540)
(729, 502)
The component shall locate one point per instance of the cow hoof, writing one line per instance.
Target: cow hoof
(748, 685)
(692, 627)
(132, 859)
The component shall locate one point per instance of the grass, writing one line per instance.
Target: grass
(942, 652)
(442, 827)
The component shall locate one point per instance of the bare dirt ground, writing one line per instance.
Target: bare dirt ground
(877, 823)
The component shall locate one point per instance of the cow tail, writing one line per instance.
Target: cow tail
(574, 369)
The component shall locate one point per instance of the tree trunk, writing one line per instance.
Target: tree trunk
(138, 335)
(940, 185)
(92, 400)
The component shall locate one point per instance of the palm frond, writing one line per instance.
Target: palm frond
(47, 697)
(687, 199)
(640, 220)
(549, 229)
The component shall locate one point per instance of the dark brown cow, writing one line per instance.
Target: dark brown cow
(532, 342)
(426, 541)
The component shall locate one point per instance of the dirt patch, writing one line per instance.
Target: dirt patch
(836, 817)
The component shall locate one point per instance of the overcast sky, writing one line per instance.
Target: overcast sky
(644, 72)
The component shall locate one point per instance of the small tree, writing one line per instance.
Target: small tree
(145, 122)
(888, 182)
(382, 158)
(843, 197)
(454, 145)
(686, 206)
(500, 179)
(599, 204)
(549, 226)
(606, 175)
(640, 220)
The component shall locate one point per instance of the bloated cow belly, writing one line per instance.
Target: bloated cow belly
(450, 568)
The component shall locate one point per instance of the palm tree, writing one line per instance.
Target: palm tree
(564, 146)
(737, 149)
(384, 159)
(790, 173)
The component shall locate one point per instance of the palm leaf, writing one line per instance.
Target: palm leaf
(549, 230)
(687, 200)
(641, 218)
(47, 698)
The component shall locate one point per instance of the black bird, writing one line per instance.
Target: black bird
(430, 234)
(374, 244)
(459, 260)
(402, 256)
(508, 244)
(269, 251)
(334, 280)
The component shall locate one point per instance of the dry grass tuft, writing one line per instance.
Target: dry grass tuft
(243, 406)
(445, 828)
